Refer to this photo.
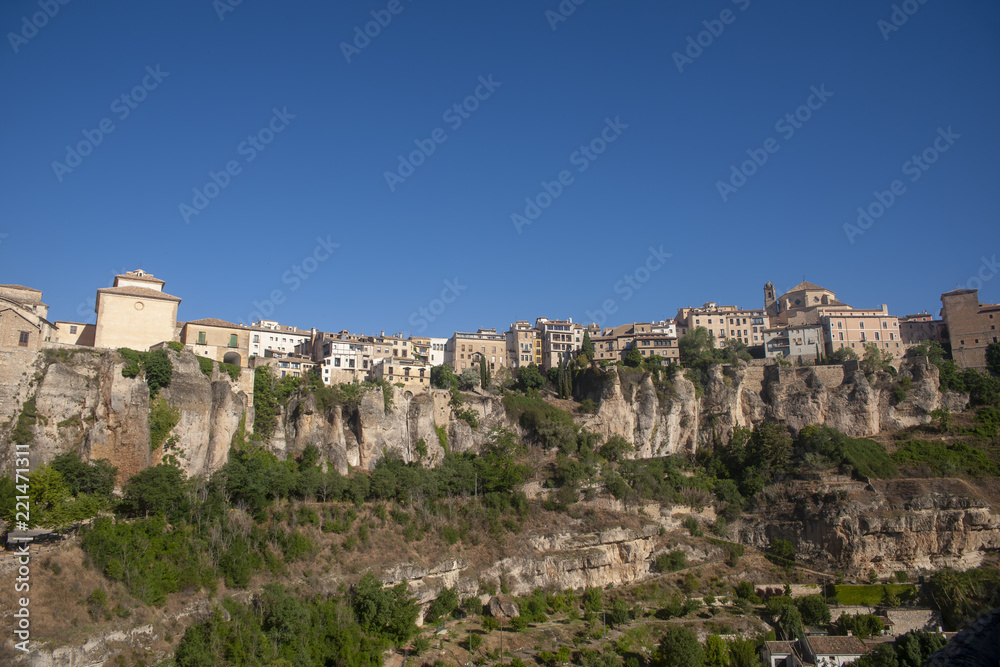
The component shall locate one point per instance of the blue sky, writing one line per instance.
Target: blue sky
(612, 117)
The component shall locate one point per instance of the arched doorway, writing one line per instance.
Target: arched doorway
(232, 358)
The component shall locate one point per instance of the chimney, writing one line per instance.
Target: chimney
(850, 633)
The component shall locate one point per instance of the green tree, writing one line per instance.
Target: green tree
(696, 346)
(814, 610)
(588, 346)
(386, 612)
(783, 549)
(633, 357)
(679, 647)
(743, 653)
(993, 358)
(529, 377)
(497, 465)
(161, 489)
(443, 377)
(716, 652)
(96, 478)
(789, 625)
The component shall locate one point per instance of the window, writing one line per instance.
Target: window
(256, 338)
(336, 362)
(22, 339)
(233, 341)
(201, 338)
(840, 325)
(72, 330)
(885, 325)
(861, 325)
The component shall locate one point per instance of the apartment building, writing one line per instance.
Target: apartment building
(658, 344)
(429, 350)
(267, 336)
(524, 345)
(972, 326)
(286, 365)
(797, 343)
(342, 357)
(856, 327)
(613, 343)
(560, 339)
(414, 375)
(391, 347)
(725, 323)
(464, 349)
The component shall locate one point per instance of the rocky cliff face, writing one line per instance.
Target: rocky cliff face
(900, 524)
(85, 405)
(669, 418)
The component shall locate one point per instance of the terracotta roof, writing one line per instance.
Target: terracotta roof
(139, 291)
(956, 292)
(30, 289)
(129, 275)
(807, 285)
(214, 322)
(842, 645)
(780, 647)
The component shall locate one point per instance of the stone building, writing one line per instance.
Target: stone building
(464, 349)
(971, 326)
(560, 339)
(414, 375)
(217, 339)
(524, 345)
(22, 318)
(74, 333)
(922, 328)
(135, 312)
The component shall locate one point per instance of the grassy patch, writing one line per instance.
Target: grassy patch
(872, 594)
(945, 460)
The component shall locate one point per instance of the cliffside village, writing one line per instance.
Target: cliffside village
(801, 325)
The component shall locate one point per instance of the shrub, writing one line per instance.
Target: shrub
(162, 419)
(206, 365)
(672, 561)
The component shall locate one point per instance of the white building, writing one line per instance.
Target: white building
(279, 339)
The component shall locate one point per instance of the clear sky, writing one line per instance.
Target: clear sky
(622, 122)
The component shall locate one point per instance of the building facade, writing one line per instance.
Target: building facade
(23, 323)
(465, 349)
(971, 326)
(217, 339)
(268, 336)
(135, 312)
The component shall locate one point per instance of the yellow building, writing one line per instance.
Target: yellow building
(135, 312)
(22, 318)
(855, 328)
(414, 375)
(217, 339)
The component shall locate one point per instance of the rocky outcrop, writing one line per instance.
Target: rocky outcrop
(899, 524)
(85, 405)
(667, 417)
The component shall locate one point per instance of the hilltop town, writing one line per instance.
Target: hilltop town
(805, 324)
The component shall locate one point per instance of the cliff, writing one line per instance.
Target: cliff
(888, 525)
(668, 417)
(85, 404)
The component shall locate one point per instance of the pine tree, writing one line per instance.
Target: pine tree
(588, 346)
(483, 373)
